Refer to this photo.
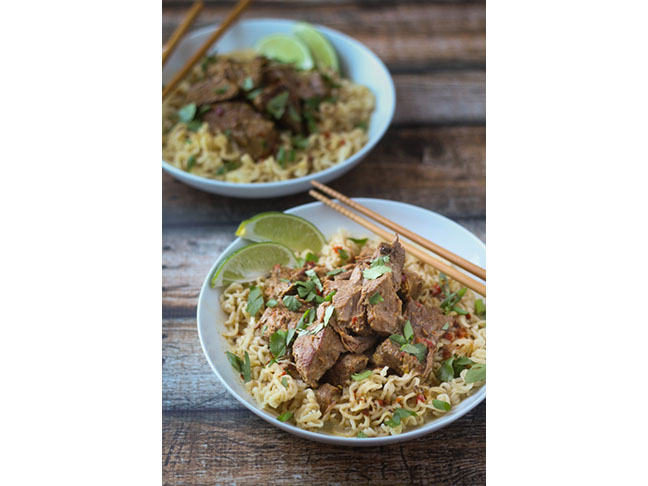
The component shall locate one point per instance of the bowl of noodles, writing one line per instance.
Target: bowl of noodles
(423, 369)
(226, 142)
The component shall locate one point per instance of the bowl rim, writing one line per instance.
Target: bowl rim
(468, 403)
(371, 143)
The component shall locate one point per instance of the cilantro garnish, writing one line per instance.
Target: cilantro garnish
(241, 366)
(376, 299)
(191, 161)
(361, 376)
(285, 416)
(398, 415)
(441, 405)
(277, 105)
(248, 84)
(335, 272)
(377, 268)
(291, 302)
(359, 241)
(255, 301)
(187, 113)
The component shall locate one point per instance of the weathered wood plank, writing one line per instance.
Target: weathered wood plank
(188, 382)
(442, 169)
(405, 36)
(236, 447)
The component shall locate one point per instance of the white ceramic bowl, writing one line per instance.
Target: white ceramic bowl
(427, 223)
(356, 62)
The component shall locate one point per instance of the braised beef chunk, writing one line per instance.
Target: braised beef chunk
(212, 90)
(384, 316)
(315, 352)
(280, 103)
(345, 366)
(225, 79)
(312, 85)
(281, 281)
(356, 344)
(276, 318)
(426, 324)
(326, 395)
(388, 353)
(411, 286)
(247, 128)
(349, 310)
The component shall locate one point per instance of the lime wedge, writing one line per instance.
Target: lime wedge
(251, 262)
(296, 233)
(285, 48)
(321, 49)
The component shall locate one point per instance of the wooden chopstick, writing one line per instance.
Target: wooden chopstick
(439, 250)
(181, 29)
(238, 9)
(451, 272)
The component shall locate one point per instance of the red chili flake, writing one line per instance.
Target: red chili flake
(327, 135)
(365, 412)
(342, 142)
(437, 290)
(449, 336)
(282, 373)
(468, 316)
(337, 249)
(354, 319)
(446, 353)
(380, 402)
(461, 332)
(421, 397)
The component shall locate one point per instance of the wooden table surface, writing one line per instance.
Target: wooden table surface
(432, 156)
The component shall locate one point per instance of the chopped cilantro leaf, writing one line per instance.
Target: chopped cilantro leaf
(235, 361)
(441, 405)
(376, 298)
(291, 303)
(191, 161)
(255, 301)
(248, 84)
(361, 376)
(284, 417)
(271, 303)
(246, 369)
(335, 272)
(359, 241)
(277, 105)
(187, 113)
(476, 373)
(419, 350)
(253, 94)
(480, 308)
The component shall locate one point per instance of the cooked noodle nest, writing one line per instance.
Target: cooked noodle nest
(365, 405)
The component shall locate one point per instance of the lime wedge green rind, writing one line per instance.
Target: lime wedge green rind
(321, 49)
(295, 232)
(251, 262)
(286, 48)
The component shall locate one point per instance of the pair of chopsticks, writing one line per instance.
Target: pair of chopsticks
(238, 9)
(415, 251)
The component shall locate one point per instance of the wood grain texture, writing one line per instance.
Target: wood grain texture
(404, 35)
(438, 168)
(194, 453)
